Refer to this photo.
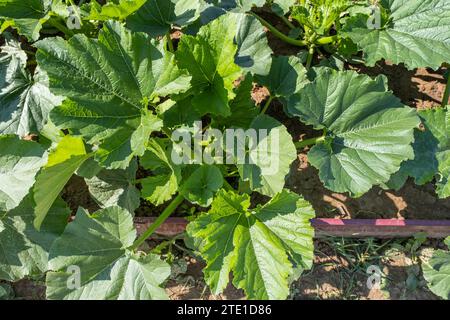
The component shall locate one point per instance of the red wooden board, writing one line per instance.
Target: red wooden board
(356, 228)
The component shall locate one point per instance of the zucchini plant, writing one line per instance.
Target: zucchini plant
(106, 93)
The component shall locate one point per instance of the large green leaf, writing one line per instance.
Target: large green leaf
(202, 185)
(260, 246)
(20, 162)
(286, 77)
(115, 188)
(369, 131)
(97, 245)
(281, 7)
(269, 159)
(179, 113)
(62, 163)
(437, 272)
(209, 58)
(243, 109)
(416, 34)
(163, 184)
(254, 53)
(23, 249)
(27, 16)
(25, 100)
(117, 9)
(109, 82)
(156, 17)
(432, 153)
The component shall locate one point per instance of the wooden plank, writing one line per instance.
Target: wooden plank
(353, 228)
(380, 228)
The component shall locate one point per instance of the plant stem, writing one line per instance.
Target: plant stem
(446, 93)
(326, 40)
(267, 105)
(285, 38)
(309, 142)
(169, 42)
(287, 22)
(158, 222)
(310, 58)
(278, 34)
(138, 180)
(227, 186)
(58, 25)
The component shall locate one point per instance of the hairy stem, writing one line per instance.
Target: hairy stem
(278, 34)
(310, 58)
(309, 142)
(446, 93)
(287, 22)
(158, 222)
(169, 42)
(285, 38)
(267, 105)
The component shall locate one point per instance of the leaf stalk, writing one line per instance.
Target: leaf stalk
(301, 43)
(158, 222)
(446, 93)
(308, 142)
(287, 22)
(267, 105)
(169, 42)
(58, 25)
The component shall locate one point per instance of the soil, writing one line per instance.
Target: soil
(333, 276)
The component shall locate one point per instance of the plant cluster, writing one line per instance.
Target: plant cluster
(97, 90)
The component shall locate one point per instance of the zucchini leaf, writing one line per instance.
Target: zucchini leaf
(25, 100)
(108, 270)
(202, 185)
(209, 58)
(417, 34)
(116, 9)
(243, 109)
(260, 246)
(369, 131)
(156, 17)
(24, 250)
(115, 188)
(270, 158)
(163, 184)
(63, 161)
(109, 83)
(286, 77)
(27, 16)
(254, 54)
(437, 272)
(432, 153)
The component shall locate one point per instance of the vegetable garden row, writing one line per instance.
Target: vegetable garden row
(104, 90)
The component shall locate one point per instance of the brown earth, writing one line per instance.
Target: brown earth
(334, 275)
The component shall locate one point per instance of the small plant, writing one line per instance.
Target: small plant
(107, 94)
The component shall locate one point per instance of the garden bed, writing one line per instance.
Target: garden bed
(95, 101)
